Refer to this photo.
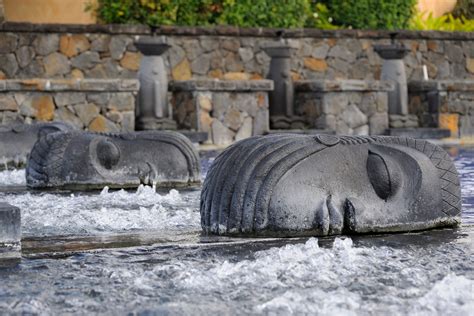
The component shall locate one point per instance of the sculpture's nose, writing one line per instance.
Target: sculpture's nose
(328, 219)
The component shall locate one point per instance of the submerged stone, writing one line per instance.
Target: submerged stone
(302, 185)
(78, 160)
(10, 232)
(16, 141)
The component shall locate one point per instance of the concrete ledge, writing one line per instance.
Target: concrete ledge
(342, 85)
(83, 85)
(230, 31)
(221, 85)
(441, 85)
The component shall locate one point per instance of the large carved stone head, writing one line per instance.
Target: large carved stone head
(79, 160)
(300, 185)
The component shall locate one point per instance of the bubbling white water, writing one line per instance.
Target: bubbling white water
(13, 177)
(111, 212)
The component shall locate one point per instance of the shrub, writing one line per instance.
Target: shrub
(157, 12)
(269, 13)
(448, 22)
(371, 14)
(244, 13)
(464, 8)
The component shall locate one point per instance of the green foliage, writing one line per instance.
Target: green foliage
(244, 13)
(321, 18)
(421, 21)
(270, 13)
(371, 14)
(157, 12)
(464, 8)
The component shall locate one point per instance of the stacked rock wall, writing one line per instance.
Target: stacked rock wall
(90, 104)
(349, 107)
(446, 104)
(227, 110)
(107, 51)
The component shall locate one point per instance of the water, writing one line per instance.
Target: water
(174, 270)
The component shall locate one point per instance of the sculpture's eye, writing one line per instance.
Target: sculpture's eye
(108, 153)
(384, 176)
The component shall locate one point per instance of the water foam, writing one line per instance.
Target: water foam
(12, 177)
(117, 211)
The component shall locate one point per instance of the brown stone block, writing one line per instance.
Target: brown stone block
(101, 124)
(44, 107)
(131, 61)
(182, 71)
(470, 65)
(236, 76)
(215, 73)
(449, 121)
(72, 45)
(8, 103)
(314, 64)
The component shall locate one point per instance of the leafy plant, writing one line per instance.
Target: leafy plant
(321, 18)
(244, 13)
(371, 14)
(270, 13)
(464, 8)
(157, 12)
(422, 21)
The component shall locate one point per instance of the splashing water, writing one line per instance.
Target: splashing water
(387, 275)
(119, 211)
(288, 279)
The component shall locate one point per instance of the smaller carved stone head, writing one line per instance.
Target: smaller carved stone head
(79, 160)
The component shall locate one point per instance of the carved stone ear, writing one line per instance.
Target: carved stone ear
(107, 153)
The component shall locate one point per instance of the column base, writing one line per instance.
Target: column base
(287, 122)
(146, 124)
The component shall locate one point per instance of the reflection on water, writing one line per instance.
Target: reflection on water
(421, 273)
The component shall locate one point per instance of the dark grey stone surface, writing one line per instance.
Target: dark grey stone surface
(10, 232)
(16, 141)
(75, 160)
(302, 185)
(152, 111)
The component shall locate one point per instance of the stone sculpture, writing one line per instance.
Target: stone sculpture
(17, 140)
(281, 98)
(393, 69)
(153, 111)
(302, 185)
(74, 160)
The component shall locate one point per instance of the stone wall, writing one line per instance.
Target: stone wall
(348, 107)
(445, 104)
(107, 51)
(227, 110)
(90, 104)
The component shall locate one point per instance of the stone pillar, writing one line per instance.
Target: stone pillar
(282, 97)
(152, 111)
(10, 233)
(393, 69)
